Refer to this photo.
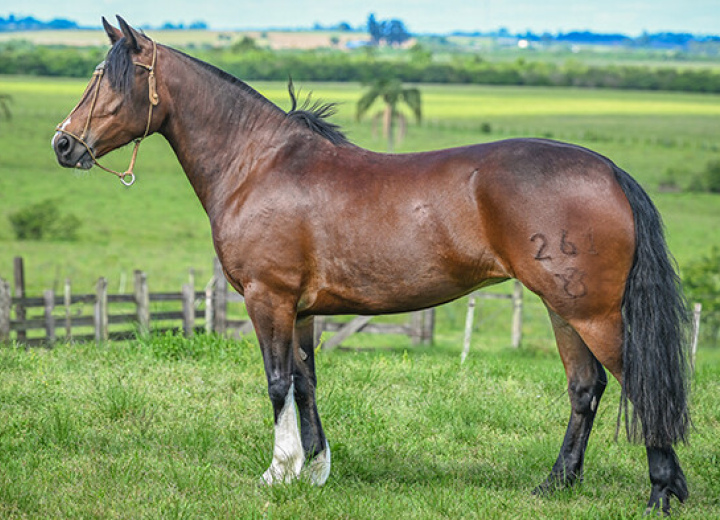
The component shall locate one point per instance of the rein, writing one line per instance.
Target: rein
(153, 96)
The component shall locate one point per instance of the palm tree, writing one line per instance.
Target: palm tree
(392, 92)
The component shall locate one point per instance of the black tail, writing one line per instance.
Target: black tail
(655, 318)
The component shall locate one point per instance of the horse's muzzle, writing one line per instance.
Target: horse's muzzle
(71, 153)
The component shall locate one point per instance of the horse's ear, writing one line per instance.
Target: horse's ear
(111, 31)
(130, 35)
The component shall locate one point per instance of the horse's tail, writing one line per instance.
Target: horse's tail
(655, 322)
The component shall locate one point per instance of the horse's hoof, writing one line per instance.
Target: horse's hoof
(658, 505)
(661, 509)
(659, 502)
(554, 483)
(318, 469)
(544, 489)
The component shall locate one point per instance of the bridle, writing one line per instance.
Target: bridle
(153, 96)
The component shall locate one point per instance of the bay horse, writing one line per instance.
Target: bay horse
(306, 223)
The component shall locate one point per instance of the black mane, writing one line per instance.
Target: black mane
(119, 68)
(120, 71)
(314, 116)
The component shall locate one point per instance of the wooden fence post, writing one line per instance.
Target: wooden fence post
(188, 309)
(5, 305)
(422, 326)
(142, 302)
(468, 328)
(697, 311)
(67, 303)
(428, 330)
(49, 300)
(517, 299)
(416, 327)
(209, 311)
(19, 275)
(220, 307)
(101, 311)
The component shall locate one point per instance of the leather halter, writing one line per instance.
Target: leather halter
(153, 97)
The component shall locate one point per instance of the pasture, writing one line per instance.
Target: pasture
(172, 428)
(159, 226)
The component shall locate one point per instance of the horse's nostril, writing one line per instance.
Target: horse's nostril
(63, 144)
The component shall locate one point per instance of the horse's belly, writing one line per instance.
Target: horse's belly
(397, 286)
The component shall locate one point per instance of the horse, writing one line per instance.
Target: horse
(307, 224)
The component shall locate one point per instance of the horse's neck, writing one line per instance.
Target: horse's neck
(217, 130)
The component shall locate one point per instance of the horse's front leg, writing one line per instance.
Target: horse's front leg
(315, 445)
(273, 317)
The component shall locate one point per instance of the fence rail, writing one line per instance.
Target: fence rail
(52, 317)
(43, 320)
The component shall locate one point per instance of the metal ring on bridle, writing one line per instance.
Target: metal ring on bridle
(126, 182)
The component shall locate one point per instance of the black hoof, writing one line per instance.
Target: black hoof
(555, 483)
(659, 503)
(668, 480)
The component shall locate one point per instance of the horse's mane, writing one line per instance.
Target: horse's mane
(120, 72)
(314, 115)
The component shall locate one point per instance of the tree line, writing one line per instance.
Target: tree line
(364, 66)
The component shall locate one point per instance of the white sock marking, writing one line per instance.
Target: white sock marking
(288, 455)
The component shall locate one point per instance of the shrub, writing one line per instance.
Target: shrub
(701, 280)
(712, 176)
(44, 221)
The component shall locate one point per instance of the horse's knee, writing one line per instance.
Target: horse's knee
(278, 391)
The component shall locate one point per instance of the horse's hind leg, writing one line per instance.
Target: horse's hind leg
(586, 384)
(666, 475)
(314, 443)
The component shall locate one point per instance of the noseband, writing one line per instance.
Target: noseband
(153, 96)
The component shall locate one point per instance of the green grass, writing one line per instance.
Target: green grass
(169, 428)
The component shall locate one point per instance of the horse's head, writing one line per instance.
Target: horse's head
(118, 105)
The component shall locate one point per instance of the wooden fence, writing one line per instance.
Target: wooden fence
(516, 298)
(55, 317)
(86, 317)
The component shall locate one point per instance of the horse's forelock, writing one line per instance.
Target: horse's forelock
(119, 68)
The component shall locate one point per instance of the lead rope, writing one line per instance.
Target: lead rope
(154, 99)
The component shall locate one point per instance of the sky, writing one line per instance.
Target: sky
(631, 17)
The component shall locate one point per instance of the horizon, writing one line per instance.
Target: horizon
(697, 17)
(183, 25)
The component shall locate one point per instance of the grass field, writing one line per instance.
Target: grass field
(170, 428)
